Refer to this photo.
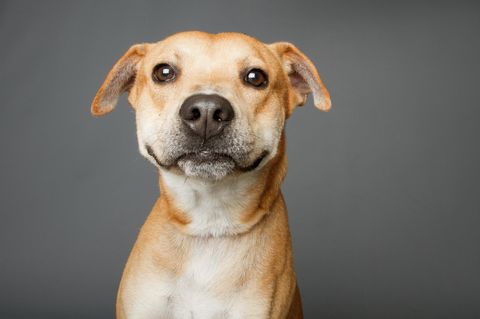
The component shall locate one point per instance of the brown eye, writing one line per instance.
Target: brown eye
(256, 78)
(163, 73)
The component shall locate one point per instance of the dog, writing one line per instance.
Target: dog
(210, 115)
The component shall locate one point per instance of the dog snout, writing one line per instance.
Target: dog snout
(206, 114)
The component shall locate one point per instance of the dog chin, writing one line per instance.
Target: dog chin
(211, 168)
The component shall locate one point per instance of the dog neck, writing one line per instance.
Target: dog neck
(227, 207)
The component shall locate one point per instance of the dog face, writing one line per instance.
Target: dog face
(211, 105)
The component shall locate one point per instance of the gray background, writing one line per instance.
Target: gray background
(383, 191)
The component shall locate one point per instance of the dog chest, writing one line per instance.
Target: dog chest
(209, 286)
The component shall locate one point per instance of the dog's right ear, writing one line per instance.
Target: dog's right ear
(120, 79)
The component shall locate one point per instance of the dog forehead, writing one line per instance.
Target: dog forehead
(221, 47)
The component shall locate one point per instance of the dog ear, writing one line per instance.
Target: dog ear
(120, 79)
(303, 76)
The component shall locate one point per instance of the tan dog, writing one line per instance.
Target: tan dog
(210, 111)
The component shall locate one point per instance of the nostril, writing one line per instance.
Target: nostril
(218, 116)
(223, 114)
(195, 114)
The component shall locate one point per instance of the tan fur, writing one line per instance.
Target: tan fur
(255, 271)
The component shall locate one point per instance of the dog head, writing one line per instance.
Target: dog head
(211, 105)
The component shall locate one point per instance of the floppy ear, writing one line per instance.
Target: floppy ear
(303, 76)
(120, 79)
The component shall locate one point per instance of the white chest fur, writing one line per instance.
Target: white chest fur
(208, 286)
(214, 208)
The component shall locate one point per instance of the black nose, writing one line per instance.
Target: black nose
(206, 114)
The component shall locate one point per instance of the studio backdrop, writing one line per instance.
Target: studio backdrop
(383, 191)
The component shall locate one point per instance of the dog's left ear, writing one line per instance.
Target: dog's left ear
(120, 79)
(303, 76)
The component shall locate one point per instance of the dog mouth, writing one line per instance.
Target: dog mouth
(210, 159)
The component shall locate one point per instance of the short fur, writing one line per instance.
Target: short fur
(216, 243)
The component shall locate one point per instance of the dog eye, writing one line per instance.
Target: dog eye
(256, 78)
(163, 73)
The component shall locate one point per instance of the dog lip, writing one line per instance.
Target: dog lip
(208, 155)
(152, 154)
(205, 155)
(255, 164)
